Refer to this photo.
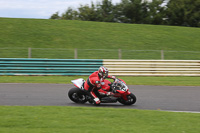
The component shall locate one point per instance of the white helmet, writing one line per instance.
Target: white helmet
(103, 72)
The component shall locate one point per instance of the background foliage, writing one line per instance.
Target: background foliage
(165, 12)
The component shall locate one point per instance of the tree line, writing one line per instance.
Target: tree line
(158, 12)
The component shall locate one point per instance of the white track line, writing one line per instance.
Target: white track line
(181, 111)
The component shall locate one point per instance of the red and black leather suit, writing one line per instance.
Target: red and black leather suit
(93, 84)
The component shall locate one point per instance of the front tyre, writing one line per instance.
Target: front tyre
(77, 95)
(131, 100)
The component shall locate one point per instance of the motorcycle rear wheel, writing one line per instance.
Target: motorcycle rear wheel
(131, 100)
(77, 95)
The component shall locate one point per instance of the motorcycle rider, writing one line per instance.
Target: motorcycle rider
(94, 83)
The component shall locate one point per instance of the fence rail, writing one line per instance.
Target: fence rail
(60, 53)
(22, 66)
(153, 67)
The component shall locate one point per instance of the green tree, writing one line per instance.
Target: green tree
(70, 14)
(87, 13)
(105, 11)
(132, 10)
(156, 12)
(120, 13)
(183, 13)
(55, 16)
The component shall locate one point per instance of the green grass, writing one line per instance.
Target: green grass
(60, 119)
(38, 33)
(169, 81)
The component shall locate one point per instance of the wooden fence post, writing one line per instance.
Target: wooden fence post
(29, 52)
(120, 53)
(162, 54)
(75, 53)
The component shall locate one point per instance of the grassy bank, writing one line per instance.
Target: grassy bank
(45, 119)
(67, 35)
(169, 81)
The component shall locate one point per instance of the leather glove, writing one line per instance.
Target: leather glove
(113, 77)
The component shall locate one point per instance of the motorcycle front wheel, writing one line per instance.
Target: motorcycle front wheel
(77, 95)
(131, 100)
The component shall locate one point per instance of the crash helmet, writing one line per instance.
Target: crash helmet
(103, 72)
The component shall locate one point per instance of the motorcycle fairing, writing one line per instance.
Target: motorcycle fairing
(124, 95)
(78, 82)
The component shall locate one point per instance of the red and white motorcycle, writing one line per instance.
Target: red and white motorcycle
(118, 88)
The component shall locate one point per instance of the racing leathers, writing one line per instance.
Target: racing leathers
(93, 84)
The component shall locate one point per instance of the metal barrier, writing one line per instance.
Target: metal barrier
(24, 66)
(153, 67)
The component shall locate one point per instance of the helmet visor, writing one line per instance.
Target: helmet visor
(105, 74)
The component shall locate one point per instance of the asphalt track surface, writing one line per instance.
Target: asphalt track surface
(172, 98)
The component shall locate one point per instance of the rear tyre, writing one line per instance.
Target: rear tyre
(77, 95)
(131, 100)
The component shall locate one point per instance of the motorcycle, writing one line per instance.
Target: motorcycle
(118, 88)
